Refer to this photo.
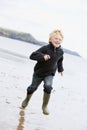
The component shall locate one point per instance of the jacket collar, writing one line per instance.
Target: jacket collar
(51, 45)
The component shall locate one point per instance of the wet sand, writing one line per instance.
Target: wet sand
(13, 82)
(68, 103)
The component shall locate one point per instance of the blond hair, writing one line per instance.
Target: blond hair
(55, 32)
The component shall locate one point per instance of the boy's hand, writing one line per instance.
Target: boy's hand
(46, 57)
(61, 73)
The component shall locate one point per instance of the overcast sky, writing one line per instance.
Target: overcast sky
(40, 17)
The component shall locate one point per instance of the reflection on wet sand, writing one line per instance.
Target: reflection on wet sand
(21, 120)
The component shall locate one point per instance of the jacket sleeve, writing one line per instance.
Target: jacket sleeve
(38, 55)
(60, 65)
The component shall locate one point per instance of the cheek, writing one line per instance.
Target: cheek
(53, 41)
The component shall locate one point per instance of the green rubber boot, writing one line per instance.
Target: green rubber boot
(46, 98)
(26, 101)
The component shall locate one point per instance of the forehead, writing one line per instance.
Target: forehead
(56, 35)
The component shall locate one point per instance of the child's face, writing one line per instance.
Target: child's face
(56, 40)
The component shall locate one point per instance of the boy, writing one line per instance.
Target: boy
(49, 58)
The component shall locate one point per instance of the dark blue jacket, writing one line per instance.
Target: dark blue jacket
(46, 68)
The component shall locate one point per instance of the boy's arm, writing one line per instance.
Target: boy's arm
(39, 55)
(60, 66)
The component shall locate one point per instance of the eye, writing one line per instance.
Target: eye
(60, 40)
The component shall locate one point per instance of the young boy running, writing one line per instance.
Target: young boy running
(49, 58)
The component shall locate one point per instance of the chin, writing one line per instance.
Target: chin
(57, 46)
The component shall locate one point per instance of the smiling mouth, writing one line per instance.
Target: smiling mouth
(57, 43)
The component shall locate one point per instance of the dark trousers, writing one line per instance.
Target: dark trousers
(36, 81)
